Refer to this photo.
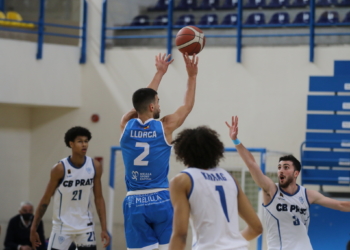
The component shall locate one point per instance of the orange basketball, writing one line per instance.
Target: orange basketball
(190, 39)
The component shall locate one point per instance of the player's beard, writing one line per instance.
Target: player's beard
(156, 115)
(286, 183)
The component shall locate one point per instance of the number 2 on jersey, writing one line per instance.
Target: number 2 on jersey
(139, 159)
(221, 191)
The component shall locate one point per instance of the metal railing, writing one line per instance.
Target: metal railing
(41, 33)
(239, 27)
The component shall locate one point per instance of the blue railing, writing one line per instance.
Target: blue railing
(239, 27)
(42, 33)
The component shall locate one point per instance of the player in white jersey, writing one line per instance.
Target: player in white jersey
(73, 181)
(286, 204)
(209, 196)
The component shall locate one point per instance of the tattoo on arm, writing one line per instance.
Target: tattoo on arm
(42, 210)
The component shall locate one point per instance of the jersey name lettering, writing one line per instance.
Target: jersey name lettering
(143, 134)
(81, 182)
(214, 177)
(284, 208)
(146, 199)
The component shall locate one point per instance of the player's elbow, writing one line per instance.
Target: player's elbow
(258, 229)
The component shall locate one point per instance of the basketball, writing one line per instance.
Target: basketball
(190, 39)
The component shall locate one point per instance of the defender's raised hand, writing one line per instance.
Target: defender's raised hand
(191, 64)
(233, 128)
(162, 62)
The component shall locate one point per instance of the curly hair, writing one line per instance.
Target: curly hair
(74, 132)
(199, 147)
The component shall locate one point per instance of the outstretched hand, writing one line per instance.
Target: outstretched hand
(191, 64)
(105, 238)
(233, 128)
(162, 62)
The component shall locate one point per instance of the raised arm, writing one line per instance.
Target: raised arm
(175, 120)
(264, 182)
(100, 203)
(179, 189)
(246, 212)
(56, 175)
(162, 64)
(318, 198)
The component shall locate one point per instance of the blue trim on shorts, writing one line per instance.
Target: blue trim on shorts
(53, 240)
(189, 195)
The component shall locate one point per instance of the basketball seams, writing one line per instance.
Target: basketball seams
(190, 39)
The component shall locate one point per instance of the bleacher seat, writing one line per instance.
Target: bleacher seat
(209, 5)
(279, 18)
(3, 18)
(302, 18)
(298, 4)
(209, 19)
(326, 3)
(254, 4)
(277, 4)
(141, 20)
(161, 20)
(161, 5)
(256, 19)
(186, 5)
(185, 20)
(15, 16)
(344, 3)
(329, 17)
(229, 5)
(347, 18)
(325, 154)
(230, 19)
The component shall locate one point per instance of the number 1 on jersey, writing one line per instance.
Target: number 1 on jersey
(139, 159)
(221, 191)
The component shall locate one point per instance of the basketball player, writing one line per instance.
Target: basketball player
(72, 182)
(145, 144)
(209, 195)
(286, 204)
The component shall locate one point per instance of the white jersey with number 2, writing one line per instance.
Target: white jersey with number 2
(214, 210)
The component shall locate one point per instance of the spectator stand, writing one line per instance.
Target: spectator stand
(325, 155)
(14, 23)
(243, 20)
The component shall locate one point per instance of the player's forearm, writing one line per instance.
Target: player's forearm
(345, 206)
(39, 213)
(101, 211)
(177, 242)
(154, 84)
(249, 233)
(190, 93)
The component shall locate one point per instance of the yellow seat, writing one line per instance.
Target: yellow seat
(2, 16)
(13, 15)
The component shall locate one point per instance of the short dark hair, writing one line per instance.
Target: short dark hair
(199, 147)
(296, 162)
(74, 132)
(142, 98)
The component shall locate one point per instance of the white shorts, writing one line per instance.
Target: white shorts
(61, 241)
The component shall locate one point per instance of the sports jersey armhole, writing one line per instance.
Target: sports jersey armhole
(121, 136)
(272, 198)
(93, 164)
(192, 183)
(161, 124)
(64, 173)
(307, 198)
(235, 183)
